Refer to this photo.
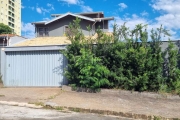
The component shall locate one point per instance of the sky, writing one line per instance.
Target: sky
(133, 12)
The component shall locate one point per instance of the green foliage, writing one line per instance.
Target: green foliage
(4, 29)
(125, 60)
(173, 72)
(92, 73)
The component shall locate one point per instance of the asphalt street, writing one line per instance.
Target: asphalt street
(23, 113)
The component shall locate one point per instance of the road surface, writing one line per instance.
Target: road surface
(23, 113)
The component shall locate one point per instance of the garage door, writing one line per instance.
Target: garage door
(35, 68)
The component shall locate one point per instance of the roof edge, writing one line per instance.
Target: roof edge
(107, 18)
(85, 13)
(38, 22)
(75, 15)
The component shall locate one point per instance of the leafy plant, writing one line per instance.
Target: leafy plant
(92, 73)
(173, 72)
(127, 59)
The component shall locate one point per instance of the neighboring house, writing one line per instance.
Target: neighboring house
(59, 24)
(10, 39)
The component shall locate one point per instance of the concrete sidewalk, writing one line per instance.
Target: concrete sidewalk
(112, 102)
(125, 104)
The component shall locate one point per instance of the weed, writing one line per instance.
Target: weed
(2, 95)
(51, 97)
(37, 103)
(73, 87)
(157, 118)
(76, 109)
(59, 108)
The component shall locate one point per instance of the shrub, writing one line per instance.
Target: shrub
(124, 60)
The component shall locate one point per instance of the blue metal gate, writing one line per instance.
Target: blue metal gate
(43, 68)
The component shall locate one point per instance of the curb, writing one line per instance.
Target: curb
(11, 103)
(107, 112)
(83, 110)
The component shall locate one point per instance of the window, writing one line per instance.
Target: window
(46, 32)
(43, 32)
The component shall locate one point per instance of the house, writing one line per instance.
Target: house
(60, 22)
(10, 39)
(38, 62)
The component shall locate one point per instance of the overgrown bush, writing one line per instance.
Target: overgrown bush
(127, 59)
(173, 72)
(92, 73)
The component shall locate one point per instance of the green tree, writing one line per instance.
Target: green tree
(173, 72)
(4, 29)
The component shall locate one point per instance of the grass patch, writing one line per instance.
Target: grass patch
(157, 118)
(59, 108)
(75, 110)
(54, 96)
(37, 103)
(2, 95)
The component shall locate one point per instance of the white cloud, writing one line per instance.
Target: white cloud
(86, 8)
(22, 6)
(28, 30)
(171, 15)
(46, 19)
(168, 6)
(71, 1)
(80, 3)
(122, 6)
(133, 20)
(39, 10)
(144, 13)
(51, 6)
(32, 8)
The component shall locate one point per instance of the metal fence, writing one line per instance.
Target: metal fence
(33, 66)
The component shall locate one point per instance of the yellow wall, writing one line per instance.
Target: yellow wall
(10, 14)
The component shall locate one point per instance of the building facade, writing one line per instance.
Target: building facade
(59, 25)
(10, 14)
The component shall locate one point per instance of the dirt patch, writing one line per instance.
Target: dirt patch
(1, 85)
(28, 94)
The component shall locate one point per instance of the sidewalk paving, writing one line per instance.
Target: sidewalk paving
(119, 102)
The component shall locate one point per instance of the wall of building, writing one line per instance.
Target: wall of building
(16, 39)
(57, 28)
(3, 11)
(103, 25)
(10, 14)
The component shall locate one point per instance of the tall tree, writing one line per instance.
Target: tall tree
(5, 29)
